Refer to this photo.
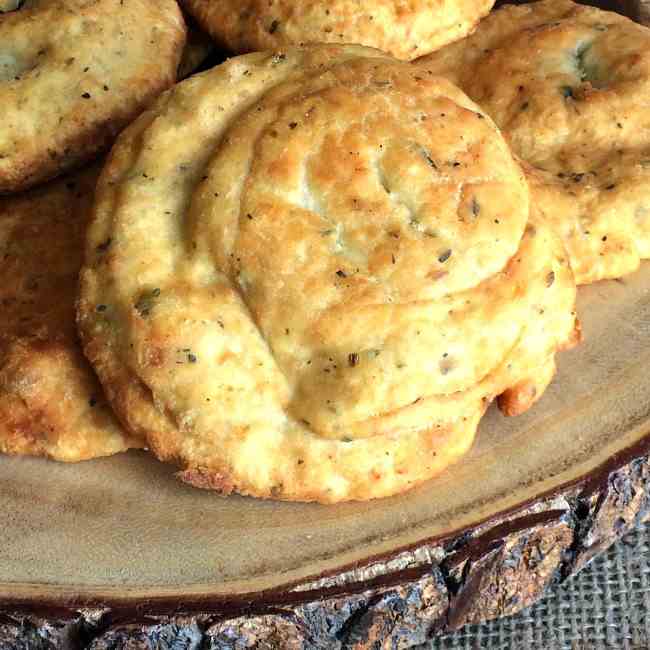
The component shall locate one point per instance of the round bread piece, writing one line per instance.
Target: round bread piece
(309, 273)
(569, 85)
(51, 403)
(405, 28)
(73, 73)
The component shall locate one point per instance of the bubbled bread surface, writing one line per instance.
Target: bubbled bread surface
(569, 85)
(51, 403)
(309, 272)
(404, 28)
(73, 74)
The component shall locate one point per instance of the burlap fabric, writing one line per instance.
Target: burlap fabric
(606, 605)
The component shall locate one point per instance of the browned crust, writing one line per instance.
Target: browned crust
(584, 137)
(207, 480)
(142, 415)
(77, 149)
(51, 403)
(405, 31)
(87, 130)
(575, 339)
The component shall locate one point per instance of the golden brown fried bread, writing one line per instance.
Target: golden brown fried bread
(51, 403)
(405, 28)
(73, 73)
(309, 272)
(569, 85)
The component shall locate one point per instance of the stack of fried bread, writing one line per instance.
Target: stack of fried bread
(306, 272)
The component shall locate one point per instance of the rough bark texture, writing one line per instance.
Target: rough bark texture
(493, 570)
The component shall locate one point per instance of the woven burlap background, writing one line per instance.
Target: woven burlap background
(606, 605)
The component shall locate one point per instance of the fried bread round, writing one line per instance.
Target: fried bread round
(309, 272)
(404, 29)
(73, 73)
(569, 86)
(51, 403)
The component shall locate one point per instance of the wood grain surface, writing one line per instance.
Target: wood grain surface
(493, 570)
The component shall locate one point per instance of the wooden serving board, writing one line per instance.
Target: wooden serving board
(117, 553)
